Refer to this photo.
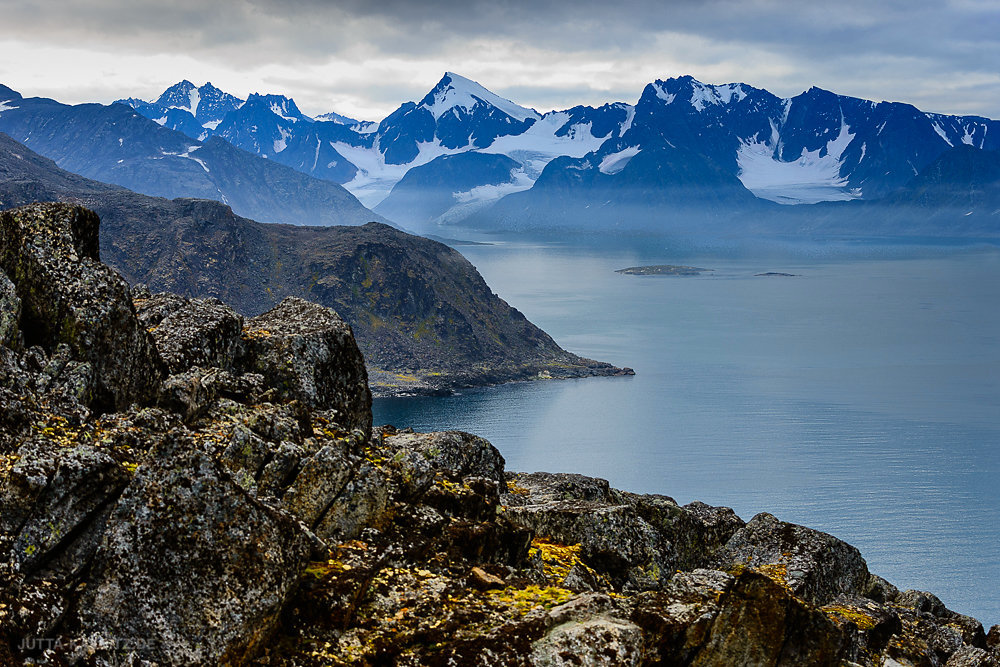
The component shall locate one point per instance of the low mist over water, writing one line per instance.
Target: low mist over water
(858, 396)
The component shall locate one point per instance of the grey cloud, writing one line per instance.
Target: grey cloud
(930, 53)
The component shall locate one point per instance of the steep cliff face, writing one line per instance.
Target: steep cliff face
(239, 508)
(423, 316)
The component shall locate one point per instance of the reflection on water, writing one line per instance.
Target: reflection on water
(861, 397)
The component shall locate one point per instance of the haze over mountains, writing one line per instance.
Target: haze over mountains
(686, 157)
(700, 151)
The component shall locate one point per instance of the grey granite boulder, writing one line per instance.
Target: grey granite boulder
(201, 332)
(814, 565)
(307, 353)
(49, 252)
(191, 569)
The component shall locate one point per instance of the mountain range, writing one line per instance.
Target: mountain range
(424, 318)
(684, 151)
(114, 144)
(687, 157)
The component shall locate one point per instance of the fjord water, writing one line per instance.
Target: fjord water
(860, 397)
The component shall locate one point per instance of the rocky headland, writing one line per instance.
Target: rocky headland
(425, 320)
(181, 485)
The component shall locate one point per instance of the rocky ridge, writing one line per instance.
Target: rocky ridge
(211, 490)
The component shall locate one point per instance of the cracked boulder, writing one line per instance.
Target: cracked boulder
(308, 353)
(814, 565)
(191, 569)
(50, 253)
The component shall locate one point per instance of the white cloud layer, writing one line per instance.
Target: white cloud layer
(363, 58)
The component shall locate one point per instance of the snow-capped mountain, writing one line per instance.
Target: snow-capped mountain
(816, 146)
(114, 144)
(270, 126)
(457, 115)
(334, 117)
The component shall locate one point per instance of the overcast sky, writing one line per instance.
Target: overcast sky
(363, 58)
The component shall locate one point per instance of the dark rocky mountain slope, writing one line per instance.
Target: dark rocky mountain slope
(230, 502)
(425, 319)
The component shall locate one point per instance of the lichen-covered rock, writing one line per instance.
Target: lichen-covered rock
(970, 656)
(813, 565)
(759, 623)
(362, 503)
(461, 454)
(49, 252)
(309, 354)
(546, 487)
(191, 569)
(321, 480)
(637, 540)
(151, 309)
(872, 623)
(706, 617)
(50, 493)
(582, 635)
(695, 531)
(614, 539)
(201, 332)
(928, 604)
(10, 312)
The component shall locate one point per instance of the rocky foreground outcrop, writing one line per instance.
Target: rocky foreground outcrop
(183, 486)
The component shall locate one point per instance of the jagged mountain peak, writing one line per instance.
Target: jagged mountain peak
(279, 105)
(699, 95)
(454, 90)
(334, 117)
(182, 95)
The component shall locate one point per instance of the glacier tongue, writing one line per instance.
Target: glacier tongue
(806, 180)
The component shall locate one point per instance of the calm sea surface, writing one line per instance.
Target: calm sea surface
(860, 397)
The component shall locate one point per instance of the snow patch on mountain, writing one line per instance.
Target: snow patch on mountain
(615, 162)
(187, 154)
(629, 117)
(702, 95)
(280, 109)
(281, 143)
(941, 133)
(662, 93)
(374, 178)
(466, 93)
(539, 144)
(4, 107)
(809, 179)
(519, 181)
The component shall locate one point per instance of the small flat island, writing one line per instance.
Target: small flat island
(775, 273)
(663, 270)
